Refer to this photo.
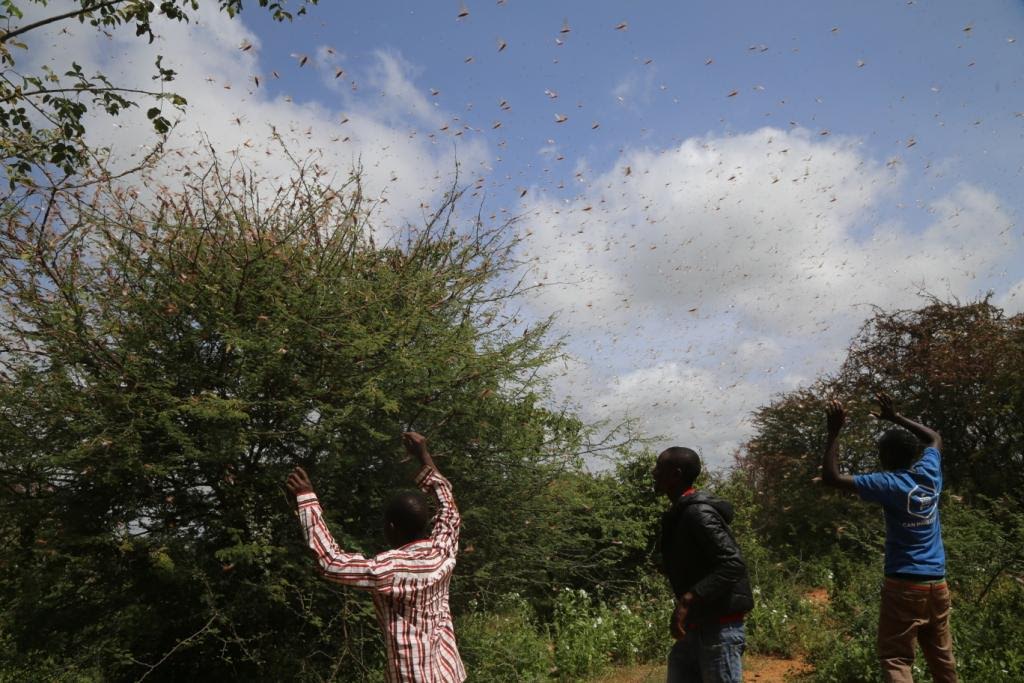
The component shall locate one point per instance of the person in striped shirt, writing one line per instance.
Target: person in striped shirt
(409, 583)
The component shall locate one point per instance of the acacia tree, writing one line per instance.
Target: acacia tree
(167, 356)
(43, 114)
(958, 367)
(961, 368)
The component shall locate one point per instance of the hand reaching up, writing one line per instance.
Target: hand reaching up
(886, 407)
(416, 446)
(298, 482)
(836, 414)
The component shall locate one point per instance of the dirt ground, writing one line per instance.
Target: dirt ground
(772, 669)
(755, 669)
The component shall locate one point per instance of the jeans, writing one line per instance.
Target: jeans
(915, 612)
(708, 654)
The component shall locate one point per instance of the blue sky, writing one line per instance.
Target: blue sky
(924, 77)
(733, 187)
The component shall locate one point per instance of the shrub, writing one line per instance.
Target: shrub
(504, 644)
(591, 634)
(584, 637)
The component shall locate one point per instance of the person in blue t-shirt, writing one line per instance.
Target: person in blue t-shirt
(915, 598)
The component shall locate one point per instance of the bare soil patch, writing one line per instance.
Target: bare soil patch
(756, 669)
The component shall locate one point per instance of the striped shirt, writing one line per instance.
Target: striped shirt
(409, 586)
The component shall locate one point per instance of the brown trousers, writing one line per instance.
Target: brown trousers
(915, 612)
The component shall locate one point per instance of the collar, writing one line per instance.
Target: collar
(685, 494)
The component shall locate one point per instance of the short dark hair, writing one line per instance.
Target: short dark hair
(898, 449)
(687, 460)
(409, 513)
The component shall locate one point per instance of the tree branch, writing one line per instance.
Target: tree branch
(87, 90)
(170, 652)
(57, 17)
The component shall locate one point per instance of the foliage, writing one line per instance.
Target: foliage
(956, 367)
(985, 548)
(571, 531)
(43, 114)
(168, 355)
(167, 360)
(505, 643)
(844, 647)
(592, 634)
(508, 642)
(982, 544)
(786, 618)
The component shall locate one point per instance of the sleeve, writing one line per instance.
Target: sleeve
(879, 487)
(445, 534)
(350, 569)
(930, 463)
(715, 542)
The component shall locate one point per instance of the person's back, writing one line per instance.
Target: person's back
(410, 583)
(915, 601)
(910, 500)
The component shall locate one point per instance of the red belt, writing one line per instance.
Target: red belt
(899, 583)
(722, 620)
(732, 618)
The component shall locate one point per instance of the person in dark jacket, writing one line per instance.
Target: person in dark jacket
(707, 573)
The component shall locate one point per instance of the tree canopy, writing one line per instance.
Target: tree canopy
(168, 356)
(954, 366)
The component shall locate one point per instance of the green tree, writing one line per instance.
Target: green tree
(960, 367)
(956, 367)
(165, 362)
(43, 114)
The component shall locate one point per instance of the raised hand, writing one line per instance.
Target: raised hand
(836, 414)
(416, 446)
(886, 407)
(298, 482)
(830, 475)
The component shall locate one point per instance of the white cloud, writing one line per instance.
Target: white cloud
(681, 405)
(386, 123)
(708, 277)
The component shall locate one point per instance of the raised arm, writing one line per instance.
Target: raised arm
(445, 534)
(336, 565)
(830, 474)
(887, 411)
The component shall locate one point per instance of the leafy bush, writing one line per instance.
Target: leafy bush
(591, 634)
(983, 545)
(641, 628)
(988, 639)
(166, 362)
(504, 643)
(985, 553)
(584, 636)
(842, 648)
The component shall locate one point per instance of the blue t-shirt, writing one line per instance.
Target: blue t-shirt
(910, 499)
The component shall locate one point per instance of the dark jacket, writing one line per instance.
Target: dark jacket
(701, 557)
